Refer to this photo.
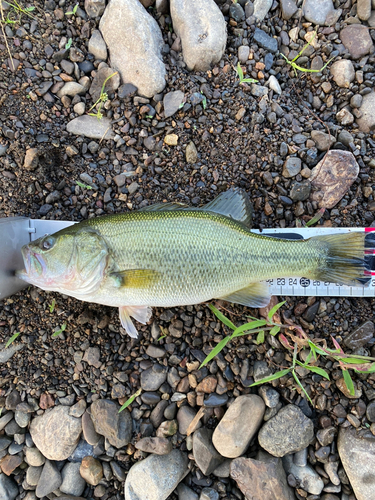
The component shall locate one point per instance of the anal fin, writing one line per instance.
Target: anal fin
(140, 313)
(254, 295)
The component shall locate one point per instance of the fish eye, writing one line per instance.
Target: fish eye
(48, 243)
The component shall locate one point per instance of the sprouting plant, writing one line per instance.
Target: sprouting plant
(312, 221)
(258, 326)
(360, 364)
(102, 99)
(59, 331)
(83, 186)
(299, 68)
(72, 12)
(12, 339)
(18, 10)
(130, 400)
(68, 44)
(52, 306)
(241, 77)
(204, 101)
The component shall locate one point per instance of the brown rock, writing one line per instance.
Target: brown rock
(207, 385)
(332, 177)
(31, 159)
(91, 470)
(357, 39)
(9, 463)
(366, 122)
(46, 401)
(261, 479)
(157, 445)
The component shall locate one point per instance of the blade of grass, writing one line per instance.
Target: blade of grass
(12, 339)
(275, 330)
(130, 400)
(348, 382)
(275, 309)
(314, 369)
(249, 326)
(221, 317)
(260, 337)
(301, 386)
(220, 346)
(275, 376)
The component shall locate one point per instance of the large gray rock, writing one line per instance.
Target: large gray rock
(156, 476)
(49, 480)
(134, 41)
(202, 29)
(116, 427)
(367, 121)
(72, 481)
(316, 11)
(288, 431)
(343, 72)
(239, 425)
(8, 488)
(332, 177)
(56, 433)
(357, 39)
(263, 478)
(91, 126)
(357, 453)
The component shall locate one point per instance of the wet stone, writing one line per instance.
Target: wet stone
(214, 399)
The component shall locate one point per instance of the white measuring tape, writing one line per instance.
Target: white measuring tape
(306, 287)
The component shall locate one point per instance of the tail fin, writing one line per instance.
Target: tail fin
(344, 259)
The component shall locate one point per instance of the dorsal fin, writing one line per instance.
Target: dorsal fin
(233, 203)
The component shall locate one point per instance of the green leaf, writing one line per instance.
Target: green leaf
(317, 370)
(275, 376)
(348, 382)
(275, 309)
(12, 339)
(301, 386)
(68, 44)
(354, 361)
(249, 80)
(62, 329)
(215, 351)
(275, 330)
(309, 356)
(249, 326)
(260, 337)
(221, 317)
(52, 306)
(130, 400)
(239, 72)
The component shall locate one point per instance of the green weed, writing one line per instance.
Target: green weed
(59, 331)
(360, 364)
(12, 339)
(52, 306)
(72, 12)
(68, 44)
(241, 76)
(299, 68)
(130, 400)
(312, 221)
(102, 99)
(17, 11)
(83, 186)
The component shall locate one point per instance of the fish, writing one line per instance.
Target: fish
(169, 254)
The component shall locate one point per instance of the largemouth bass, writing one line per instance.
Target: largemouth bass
(168, 255)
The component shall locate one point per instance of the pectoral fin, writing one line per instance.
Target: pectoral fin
(135, 278)
(254, 295)
(140, 313)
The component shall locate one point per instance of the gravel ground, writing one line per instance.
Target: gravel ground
(243, 137)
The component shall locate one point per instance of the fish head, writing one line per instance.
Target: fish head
(69, 261)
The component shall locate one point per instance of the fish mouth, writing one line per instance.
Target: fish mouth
(34, 266)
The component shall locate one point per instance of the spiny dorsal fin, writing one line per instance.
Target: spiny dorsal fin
(254, 295)
(233, 203)
(135, 278)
